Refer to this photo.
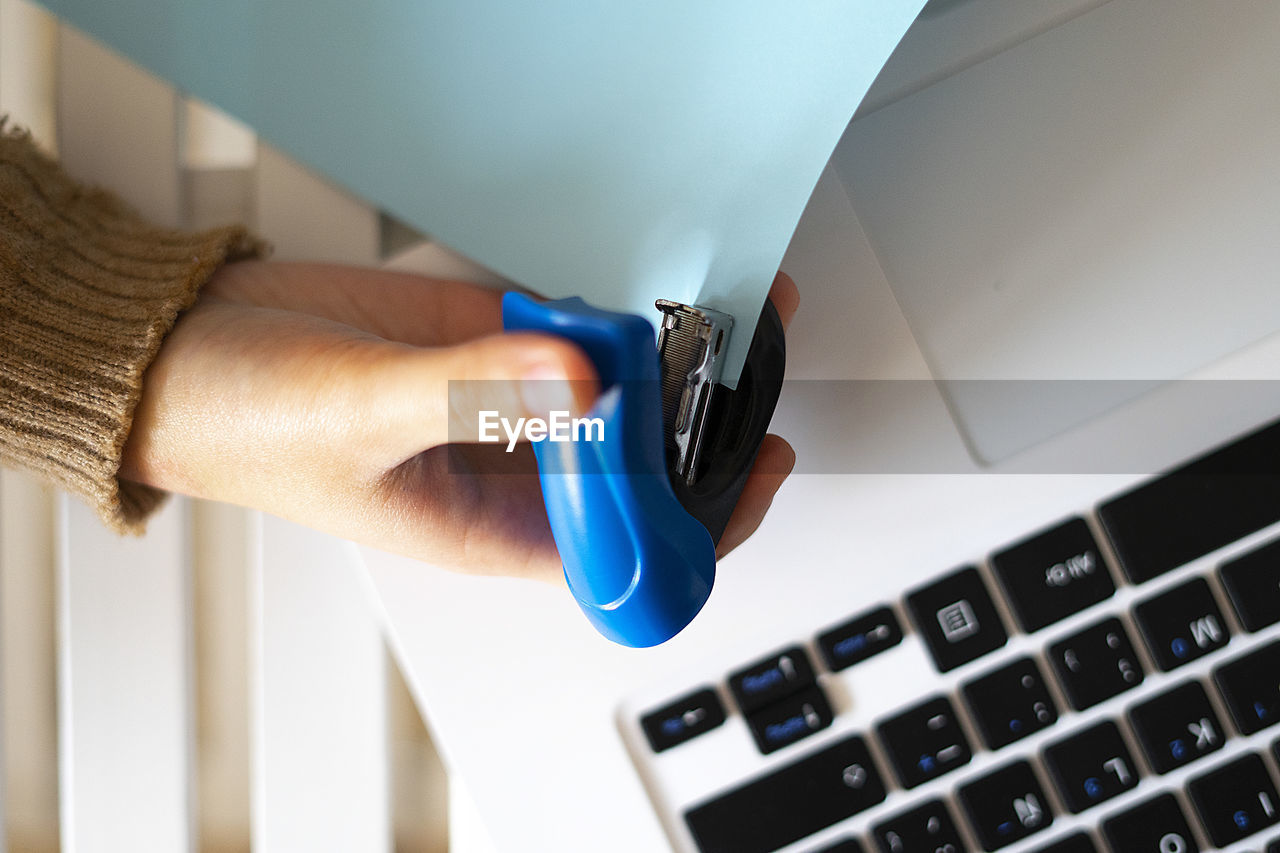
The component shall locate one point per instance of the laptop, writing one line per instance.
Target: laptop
(1023, 591)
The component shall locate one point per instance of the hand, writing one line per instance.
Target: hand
(320, 394)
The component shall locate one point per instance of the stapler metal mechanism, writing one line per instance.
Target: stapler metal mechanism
(637, 512)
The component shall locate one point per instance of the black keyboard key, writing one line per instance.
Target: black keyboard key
(1177, 727)
(1053, 574)
(928, 828)
(683, 719)
(1078, 843)
(957, 619)
(1253, 583)
(925, 742)
(1010, 703)
(789, 720)
(1235, 800)
(1156, 826)
(790, 803)
(1196, 508)
(1096, 664)
(770, 679)
(845, 845)
(1006, 806)
(1274, 846)
(1251, 687)
(1182, 624)
(1091, 766)
(860, 638)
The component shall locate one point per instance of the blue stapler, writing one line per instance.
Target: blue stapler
(637, 513)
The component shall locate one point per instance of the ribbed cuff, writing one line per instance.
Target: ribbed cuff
(88, 291)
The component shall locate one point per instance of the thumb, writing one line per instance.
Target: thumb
(510, 375)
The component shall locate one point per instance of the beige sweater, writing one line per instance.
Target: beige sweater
(88, 291)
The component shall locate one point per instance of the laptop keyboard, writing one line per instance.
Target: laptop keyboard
(1012, 735)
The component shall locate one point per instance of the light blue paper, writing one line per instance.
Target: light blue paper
(617, 151)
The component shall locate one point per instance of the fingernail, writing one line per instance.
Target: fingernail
(543, 389)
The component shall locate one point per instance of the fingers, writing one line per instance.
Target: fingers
(773, 463)
(776, 458)
(785, 297)
(465, 392)
(395, 306)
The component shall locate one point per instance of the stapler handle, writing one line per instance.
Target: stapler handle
(639, 565)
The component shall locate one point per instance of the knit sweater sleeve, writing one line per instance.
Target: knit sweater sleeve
(88, 291)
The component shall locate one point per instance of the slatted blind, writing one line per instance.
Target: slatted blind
(222, 682)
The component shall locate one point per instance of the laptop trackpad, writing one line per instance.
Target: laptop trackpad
(1098, 202)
